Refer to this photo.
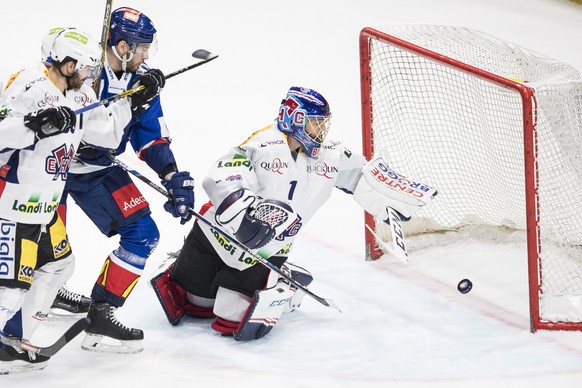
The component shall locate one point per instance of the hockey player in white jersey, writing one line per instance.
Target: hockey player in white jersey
(291, 165)
(39, 137)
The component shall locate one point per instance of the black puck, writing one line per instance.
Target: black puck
(464, 286)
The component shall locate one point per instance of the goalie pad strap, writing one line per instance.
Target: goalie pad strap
(379, 187)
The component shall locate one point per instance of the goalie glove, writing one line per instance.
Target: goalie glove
(254, 221)
(380, 188)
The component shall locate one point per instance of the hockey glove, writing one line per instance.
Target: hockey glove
(153, 82)
(235, 212)
(51, 121)
(181, 188)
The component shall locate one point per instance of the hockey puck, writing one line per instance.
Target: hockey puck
(464, 286)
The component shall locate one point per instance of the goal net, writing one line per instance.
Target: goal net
(497, 130)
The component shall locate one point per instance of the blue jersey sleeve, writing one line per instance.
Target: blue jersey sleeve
(147, 133)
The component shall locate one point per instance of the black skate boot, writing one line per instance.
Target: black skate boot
(13, 361)
(106, 334)
(71, 302)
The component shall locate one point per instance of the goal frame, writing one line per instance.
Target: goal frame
(369, 35)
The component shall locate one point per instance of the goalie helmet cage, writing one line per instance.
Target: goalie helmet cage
(496, 129)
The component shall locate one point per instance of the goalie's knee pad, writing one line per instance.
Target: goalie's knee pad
(174, 299)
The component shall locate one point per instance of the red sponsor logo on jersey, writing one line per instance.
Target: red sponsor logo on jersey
(129, 199)
(57, 164)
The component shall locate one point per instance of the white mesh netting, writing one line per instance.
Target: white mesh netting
(464, 136)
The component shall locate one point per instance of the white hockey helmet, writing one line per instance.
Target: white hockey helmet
(47, 44)
(77, 45)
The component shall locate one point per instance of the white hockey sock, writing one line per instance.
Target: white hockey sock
(11, 300)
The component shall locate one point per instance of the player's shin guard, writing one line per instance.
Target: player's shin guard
(261, 315)
(174, 300)
(119, 275)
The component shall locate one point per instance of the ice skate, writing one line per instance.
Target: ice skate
(106, 334)
(68, 304)
(14, 361)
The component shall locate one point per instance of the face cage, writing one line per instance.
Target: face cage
(317, 127)
(312, 134)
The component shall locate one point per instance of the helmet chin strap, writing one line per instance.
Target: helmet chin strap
(126, 58)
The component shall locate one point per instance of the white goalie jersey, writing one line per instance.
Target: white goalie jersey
(33, 171)
(264, 164)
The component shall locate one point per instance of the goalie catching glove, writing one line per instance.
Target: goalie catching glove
(254, 221)
(380, 188)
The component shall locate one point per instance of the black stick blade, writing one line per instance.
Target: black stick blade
(201, 54)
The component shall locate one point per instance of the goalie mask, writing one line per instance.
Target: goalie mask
(305, 115)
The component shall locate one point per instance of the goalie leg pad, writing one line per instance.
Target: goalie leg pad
(264, 312)
(174, 301)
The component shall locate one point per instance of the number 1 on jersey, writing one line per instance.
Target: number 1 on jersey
(292, 190)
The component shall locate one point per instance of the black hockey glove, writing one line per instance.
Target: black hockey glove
(153, 81)
(51, 121)
(181, 188)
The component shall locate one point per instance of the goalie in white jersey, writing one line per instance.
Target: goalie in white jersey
(290, 164)
(38, 138)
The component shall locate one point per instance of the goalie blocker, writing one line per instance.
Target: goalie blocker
(381, 188)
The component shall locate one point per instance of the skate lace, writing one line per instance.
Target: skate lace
(113, 319)
(69, 295)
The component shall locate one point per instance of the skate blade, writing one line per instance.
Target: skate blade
(19, 367)
(104, 344)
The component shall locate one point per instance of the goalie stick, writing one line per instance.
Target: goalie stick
(205, 56)
(51, 350)
(324, 301)
(398, 248)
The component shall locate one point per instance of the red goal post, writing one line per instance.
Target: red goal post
(496, 129)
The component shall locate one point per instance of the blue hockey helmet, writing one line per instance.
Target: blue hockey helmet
(132, 26)
(305, 115)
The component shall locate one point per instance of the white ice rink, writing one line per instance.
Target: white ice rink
(402, 325)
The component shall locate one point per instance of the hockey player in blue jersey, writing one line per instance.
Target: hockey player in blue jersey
(107, 194)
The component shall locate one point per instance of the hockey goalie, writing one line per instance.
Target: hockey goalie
(263, 192)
